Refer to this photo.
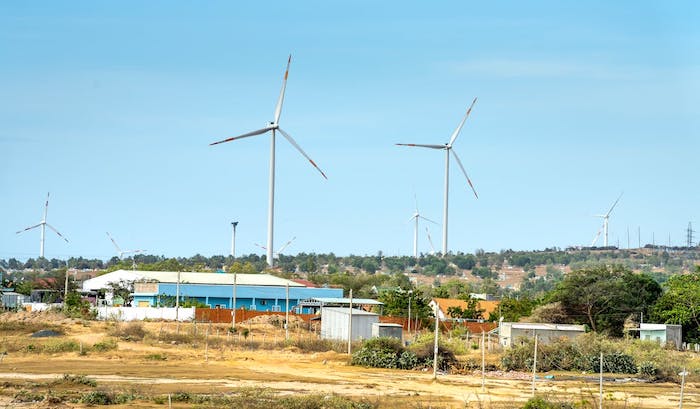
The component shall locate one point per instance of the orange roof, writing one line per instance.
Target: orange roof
(446, 303)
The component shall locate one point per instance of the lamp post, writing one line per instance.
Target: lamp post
(410, 292)
(233, 239)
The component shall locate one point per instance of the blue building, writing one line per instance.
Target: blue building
(260, 292)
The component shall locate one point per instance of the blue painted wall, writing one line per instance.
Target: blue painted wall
(260, 298)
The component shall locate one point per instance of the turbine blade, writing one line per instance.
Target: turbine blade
(115, 243)
(430, 240)
(46, 206)
(296, 145)
(28, 228)
(595, 239)
(428, 220)
(459, 162)
(614, 204)
(262, 247)
(461, 124)
(56, 231)
(245, 135)
(280, 100)
(418, 145)
(285, 245)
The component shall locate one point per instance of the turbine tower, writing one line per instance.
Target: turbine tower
(274, 127)
(43, 224)
(605, 218)
(233, 239)
(448, 148)
(415, 218)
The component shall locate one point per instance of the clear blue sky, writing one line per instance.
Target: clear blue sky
(110, 106)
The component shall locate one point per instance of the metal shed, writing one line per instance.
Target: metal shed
(382, 329)
(335, 323)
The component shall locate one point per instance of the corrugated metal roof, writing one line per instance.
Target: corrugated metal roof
(346, 311)
(104, 280)
(346, 301)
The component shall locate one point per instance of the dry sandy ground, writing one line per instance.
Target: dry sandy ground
(290, 371)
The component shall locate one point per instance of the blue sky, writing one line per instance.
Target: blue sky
(110, 106)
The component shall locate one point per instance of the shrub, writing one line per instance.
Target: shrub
(648, 370)
(108, 344)
(539, 402)
(57, 346)
(79, 380)
(156, 357)
(132, 331)
(97, 398)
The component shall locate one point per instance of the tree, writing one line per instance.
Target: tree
(471, 311)
(680, 304)
(512, 309)
(604, 296)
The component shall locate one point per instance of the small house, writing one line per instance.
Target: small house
(662, 333)
(509, 332)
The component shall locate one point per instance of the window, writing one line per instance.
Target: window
(276, 308)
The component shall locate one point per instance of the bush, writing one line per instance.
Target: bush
(57, 346)
(97, 398)
(132, 331)
(108, 344)
(79, 380)
(648, 370)
(539, 402)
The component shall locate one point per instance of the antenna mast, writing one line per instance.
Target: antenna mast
(690, 234)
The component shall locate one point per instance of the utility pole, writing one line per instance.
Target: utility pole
(233, 303)
(534, 367)
(350, 326)
(600, 404)
(286, 315)
(435, 348)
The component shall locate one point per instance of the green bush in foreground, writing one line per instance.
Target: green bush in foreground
(389, 353)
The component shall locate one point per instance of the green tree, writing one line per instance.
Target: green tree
(471, 311)
(512, 309)
(680, 304)
(603, 297)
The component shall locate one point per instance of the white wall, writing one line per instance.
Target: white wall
(141, 313)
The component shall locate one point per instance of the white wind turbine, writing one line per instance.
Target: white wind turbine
(448, 148)
(604, 228)
(120, 251)
(415, 218)
(274, 127)
(276, 254)
(43, 224)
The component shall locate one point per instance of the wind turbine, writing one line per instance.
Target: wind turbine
(122, 252)
(415, 218)
(448, 148)
(274, 127)
(43, 224)
(604, 228)
(276, 254)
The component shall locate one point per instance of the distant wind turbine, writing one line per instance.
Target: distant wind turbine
(274, 127)
(120, 251)
(43, 224)
(448, 148)
(276, 254)
(415, 218)
(604, 228)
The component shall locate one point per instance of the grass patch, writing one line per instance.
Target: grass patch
(155, 357)
(132, 331)
(105, 345)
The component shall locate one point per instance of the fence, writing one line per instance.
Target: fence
(142, 313)
(223, 315)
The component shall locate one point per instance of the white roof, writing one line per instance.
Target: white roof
(346, 311)
(104, 280)
(550, 327)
